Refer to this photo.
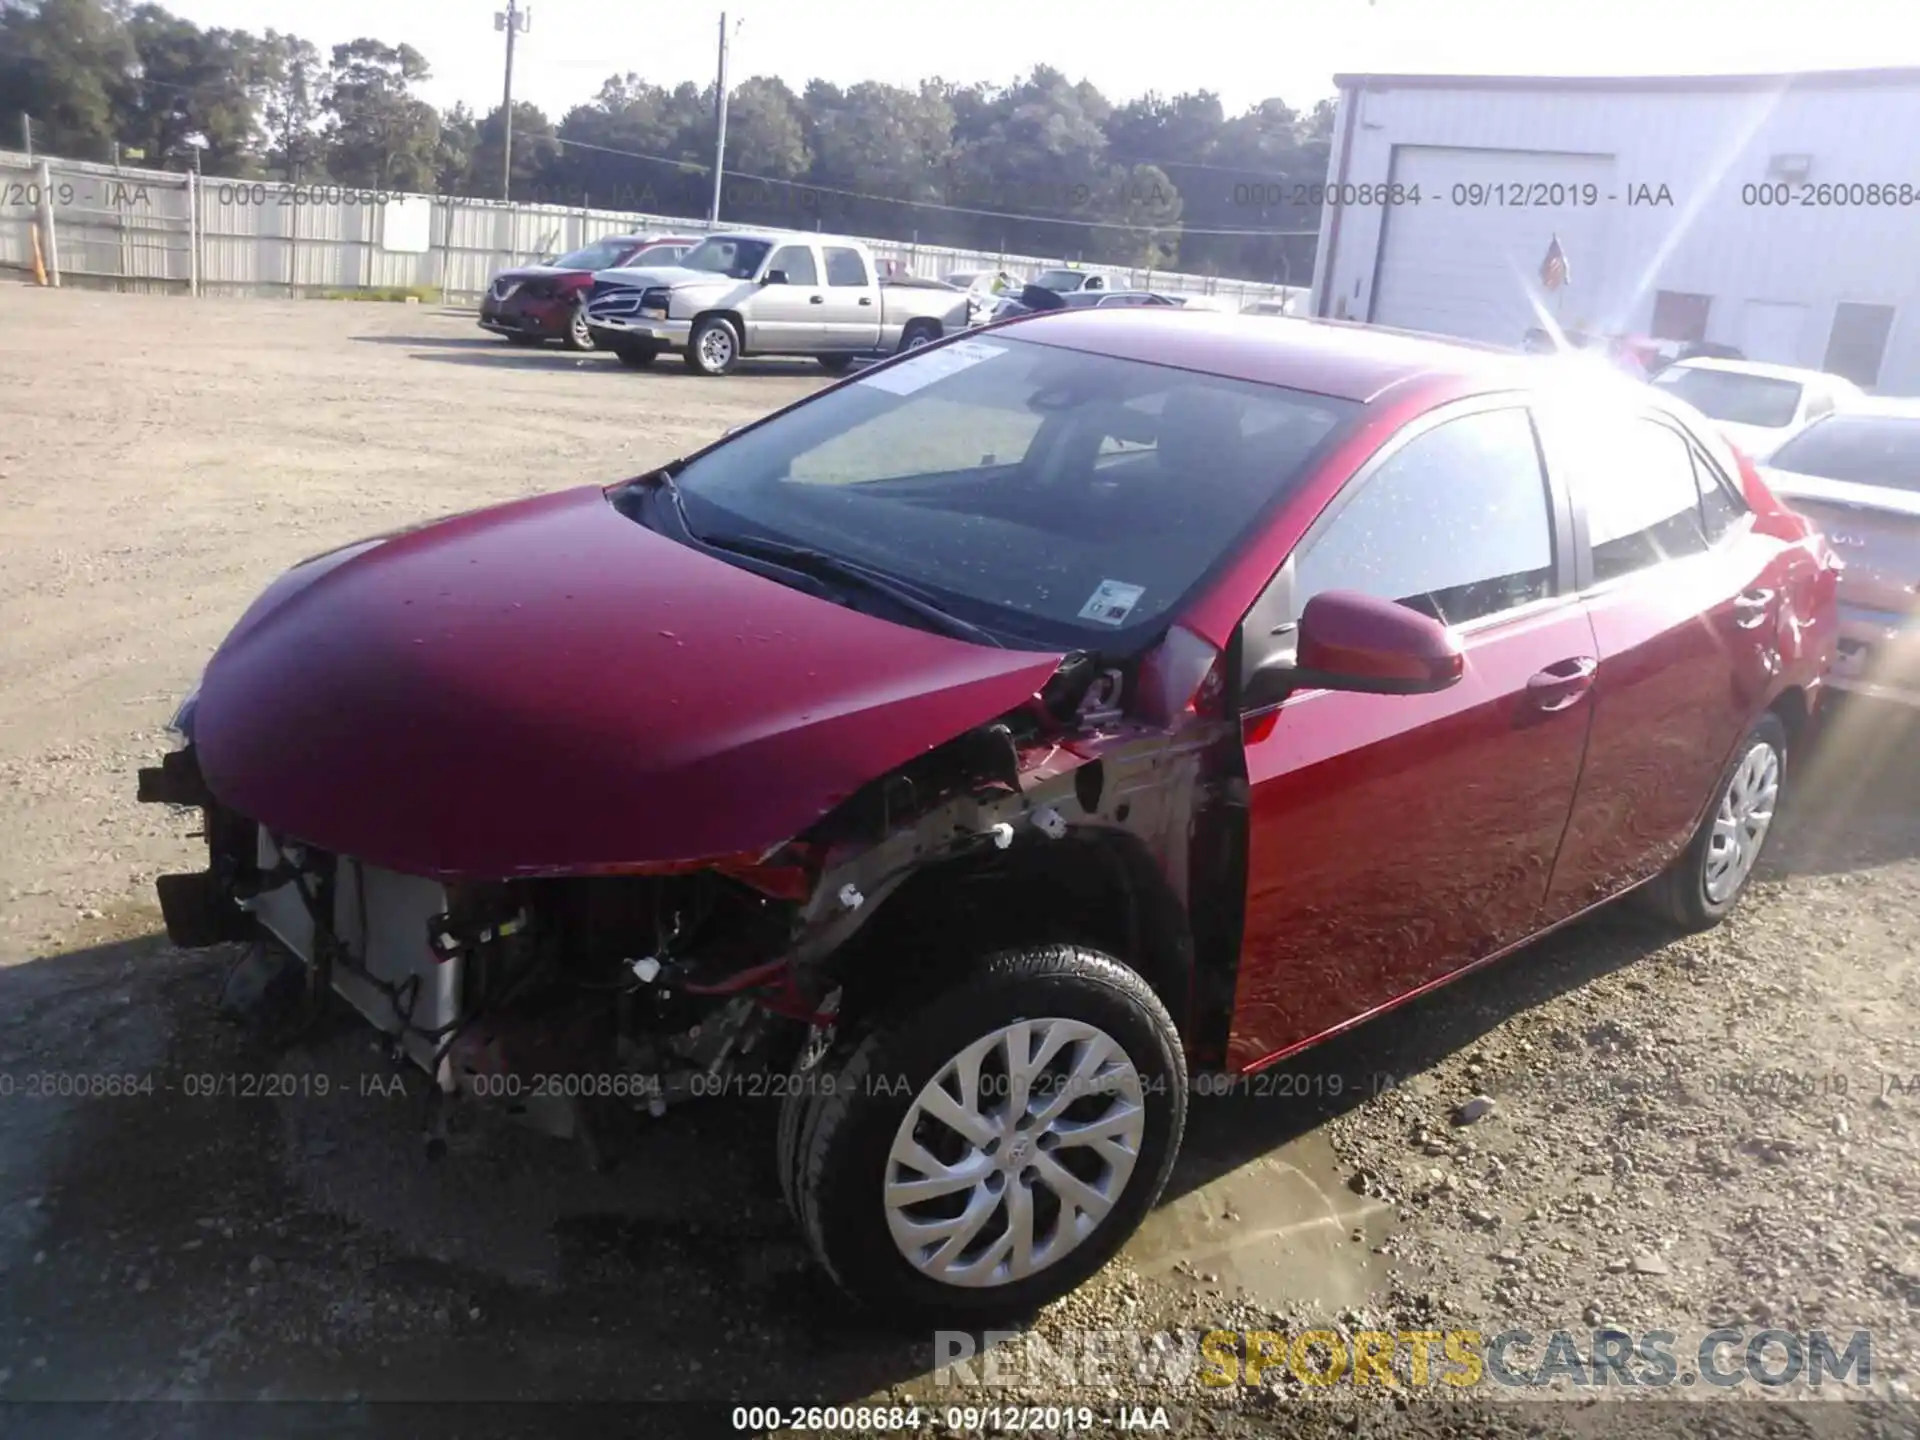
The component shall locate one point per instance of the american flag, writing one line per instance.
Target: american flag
(1553, 270)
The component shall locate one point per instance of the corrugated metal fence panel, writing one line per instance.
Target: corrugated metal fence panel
(256, 237)
(131, 226)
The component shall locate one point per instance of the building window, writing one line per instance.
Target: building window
(1858, 342)
(1679, 316)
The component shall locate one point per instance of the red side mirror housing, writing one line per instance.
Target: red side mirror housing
(1350, 641)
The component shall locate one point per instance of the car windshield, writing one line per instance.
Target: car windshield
(1059, 279)
(737, 259)
(1737, 398)
(601, 255)
(1863, 449)
(1046, 494)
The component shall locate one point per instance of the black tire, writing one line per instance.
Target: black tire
(873, 1074)
(706, 355)
(636, 357)
(835, 364)
(1680, 896)
(918, 333)
(816, 1046)
(579, 334)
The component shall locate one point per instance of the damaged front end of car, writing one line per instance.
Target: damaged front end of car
(1105, 809)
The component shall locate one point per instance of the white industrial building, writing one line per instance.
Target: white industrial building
(1779, 214)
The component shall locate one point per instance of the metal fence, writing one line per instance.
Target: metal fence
(134, 229)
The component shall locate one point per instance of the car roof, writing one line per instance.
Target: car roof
(786, 237)
(1327, 357)
(1758, 368)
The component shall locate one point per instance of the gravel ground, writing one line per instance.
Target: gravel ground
(1613, 1129)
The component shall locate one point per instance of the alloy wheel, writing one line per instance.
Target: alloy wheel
(1013, 1155)
(716, 347)
(1741, 824)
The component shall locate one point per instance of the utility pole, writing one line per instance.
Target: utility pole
(512, 20)
(719, 125)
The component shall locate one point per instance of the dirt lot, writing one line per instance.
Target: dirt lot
(1683, 1135)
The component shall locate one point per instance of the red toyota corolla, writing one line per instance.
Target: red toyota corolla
(973, 750)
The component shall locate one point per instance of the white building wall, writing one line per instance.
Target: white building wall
(1704, 146)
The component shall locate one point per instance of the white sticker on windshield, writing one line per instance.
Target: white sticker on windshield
(918, 371)
(1112, 602)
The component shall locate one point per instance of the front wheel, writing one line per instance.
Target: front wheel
(714, 347)
(579, 334)
(983, 1149)
(1702, 886)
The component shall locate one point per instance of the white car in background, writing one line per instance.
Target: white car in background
(1759, 406)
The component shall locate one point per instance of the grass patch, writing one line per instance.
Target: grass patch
(393, 294)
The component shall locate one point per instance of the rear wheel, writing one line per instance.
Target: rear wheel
(981, 1149)
(919, 333)
(1702, 886)
(714, 346)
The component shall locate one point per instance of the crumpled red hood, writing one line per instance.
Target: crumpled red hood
(547, 687)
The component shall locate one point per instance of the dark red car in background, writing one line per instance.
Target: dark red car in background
(535, 303)
(978, 746)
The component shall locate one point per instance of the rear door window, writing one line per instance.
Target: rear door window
(845, 267)
(1637, 479)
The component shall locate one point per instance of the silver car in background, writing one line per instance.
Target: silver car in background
(1856, 474)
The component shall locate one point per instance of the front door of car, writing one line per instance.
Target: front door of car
(788, 316)
(1684, 594)
(1393, 839)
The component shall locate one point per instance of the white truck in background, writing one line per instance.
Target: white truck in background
(742, 293)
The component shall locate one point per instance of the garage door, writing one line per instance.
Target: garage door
(1473, 269)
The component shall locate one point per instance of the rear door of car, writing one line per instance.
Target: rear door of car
(1393, 839)
(1685, 595)
(852, 313)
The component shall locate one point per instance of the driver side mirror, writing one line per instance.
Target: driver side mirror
(775, 277)
(1353, 642)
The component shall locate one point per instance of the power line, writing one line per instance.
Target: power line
(927, 204)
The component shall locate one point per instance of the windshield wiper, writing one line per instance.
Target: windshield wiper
(819, 564)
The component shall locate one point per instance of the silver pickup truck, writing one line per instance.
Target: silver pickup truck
(750, 292)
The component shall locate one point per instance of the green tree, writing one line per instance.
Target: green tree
(379, 133)
(536, 150)
(290, 87)
(69, 65)
(192, 89)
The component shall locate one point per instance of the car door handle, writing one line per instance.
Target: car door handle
(866, 300)
(1562, 684)
(1751, 607)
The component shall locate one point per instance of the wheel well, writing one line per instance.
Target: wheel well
(922, 322)
(732, 317)
(1791, 707)
(1101, 891)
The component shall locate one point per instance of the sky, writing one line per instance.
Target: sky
(1243, 51)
